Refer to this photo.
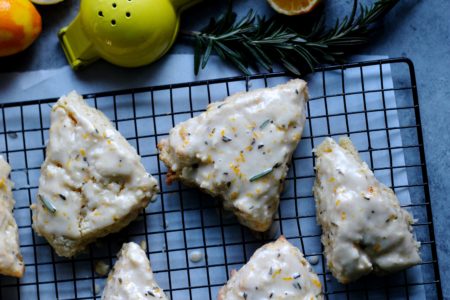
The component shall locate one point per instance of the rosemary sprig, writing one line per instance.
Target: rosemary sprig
(255, 41)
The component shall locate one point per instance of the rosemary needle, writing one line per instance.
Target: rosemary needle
(48, 204)
(261, 175)
(264, 124)
(226, 139)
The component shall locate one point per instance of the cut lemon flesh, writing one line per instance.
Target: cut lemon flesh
(293, 7)
(46, 2)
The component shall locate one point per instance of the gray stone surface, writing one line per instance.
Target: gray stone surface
(417, 29)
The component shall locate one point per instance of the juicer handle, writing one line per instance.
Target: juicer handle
(78, 48)
(181, 5)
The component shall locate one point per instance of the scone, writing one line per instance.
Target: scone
(11, 262)
(364, 228)
(92, 181)
(239, 150)
(132, 277)
(277, 270)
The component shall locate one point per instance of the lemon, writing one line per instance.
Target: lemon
(20, 25)
(293, 7)
(46, 2)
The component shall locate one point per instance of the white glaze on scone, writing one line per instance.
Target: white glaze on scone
(364, 228)
(132, 277)
(92, 178)
(11, 262)
(226, 150)
(277, 270)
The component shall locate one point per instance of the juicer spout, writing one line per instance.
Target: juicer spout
(77, 46)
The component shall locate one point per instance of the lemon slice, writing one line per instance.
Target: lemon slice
(293, 7)
(46, 2)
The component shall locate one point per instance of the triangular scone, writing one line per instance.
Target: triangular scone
(11, 262)
(92, 181)
(239, 150)
(132, 277)
(277, 270)
(364, 228)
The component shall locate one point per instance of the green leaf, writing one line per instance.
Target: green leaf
(306, 59)
(290, 67)
(299, 39)
(317, 45)
(207, 53)
(48, 204)
(261, 175)
(258, 58)
(197, 56)
(234, 58)
(229, 51)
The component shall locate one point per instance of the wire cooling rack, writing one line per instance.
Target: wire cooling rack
(359, 100)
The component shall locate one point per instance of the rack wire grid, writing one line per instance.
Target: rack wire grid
(183, 219)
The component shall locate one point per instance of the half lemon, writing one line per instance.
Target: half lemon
(46, 2)
(293, 7)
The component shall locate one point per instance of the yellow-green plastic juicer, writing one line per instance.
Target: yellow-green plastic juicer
(128, 33)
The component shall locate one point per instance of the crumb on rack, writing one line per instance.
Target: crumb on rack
(144, 245)
(101, 268)
(195, 256)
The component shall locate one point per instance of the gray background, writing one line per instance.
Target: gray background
(416, 29)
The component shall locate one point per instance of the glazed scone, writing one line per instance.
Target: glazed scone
(132, 277)
(11, 262)
(364, 228)
(277, 270)
(92, 181)
(239, 150)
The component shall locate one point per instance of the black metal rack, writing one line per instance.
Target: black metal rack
(183, 219)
